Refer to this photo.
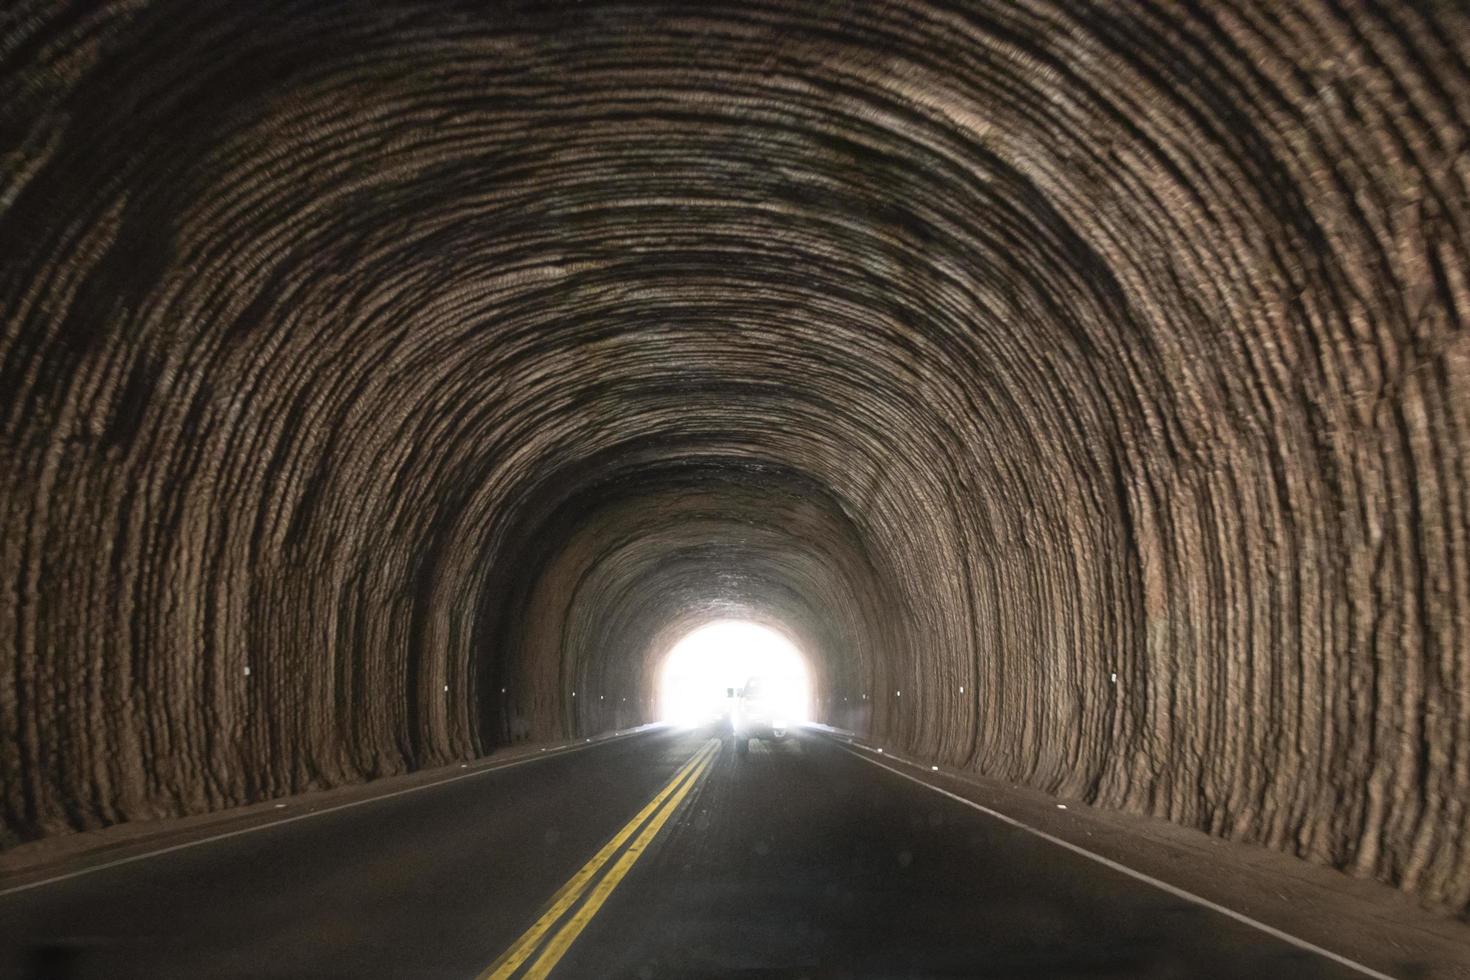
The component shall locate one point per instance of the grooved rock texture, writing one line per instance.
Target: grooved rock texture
(378, 374)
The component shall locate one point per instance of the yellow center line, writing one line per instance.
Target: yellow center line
(569, 893)
(574, 926)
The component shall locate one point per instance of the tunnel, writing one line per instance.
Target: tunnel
(1081, 387)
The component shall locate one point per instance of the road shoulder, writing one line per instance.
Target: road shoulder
(1359, 919)
(29, 864)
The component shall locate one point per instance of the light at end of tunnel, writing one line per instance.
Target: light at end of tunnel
(706, 671)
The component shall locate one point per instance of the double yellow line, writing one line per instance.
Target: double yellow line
(651, 818)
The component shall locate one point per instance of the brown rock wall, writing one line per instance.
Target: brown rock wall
(1105, 360)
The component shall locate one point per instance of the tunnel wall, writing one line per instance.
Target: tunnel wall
(365, 360)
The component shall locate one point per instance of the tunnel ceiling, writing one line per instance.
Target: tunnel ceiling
(378, 374)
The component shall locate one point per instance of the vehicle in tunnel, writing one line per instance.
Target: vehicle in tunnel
(758, 713)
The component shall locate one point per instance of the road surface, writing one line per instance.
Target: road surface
(659, 855)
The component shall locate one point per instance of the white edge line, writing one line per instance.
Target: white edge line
(511, 764)
(1108, 862)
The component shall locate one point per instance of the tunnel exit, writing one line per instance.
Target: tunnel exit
(706, 669)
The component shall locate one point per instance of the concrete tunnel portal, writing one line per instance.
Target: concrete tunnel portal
(1082, 389)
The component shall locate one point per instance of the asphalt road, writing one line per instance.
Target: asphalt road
(797, 860)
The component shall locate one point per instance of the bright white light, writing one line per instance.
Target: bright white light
(703, 667)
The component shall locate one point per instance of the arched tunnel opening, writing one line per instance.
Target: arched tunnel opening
(1079, 391)
(709, 668)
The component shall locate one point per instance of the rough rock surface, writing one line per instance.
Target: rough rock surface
(378, 374)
